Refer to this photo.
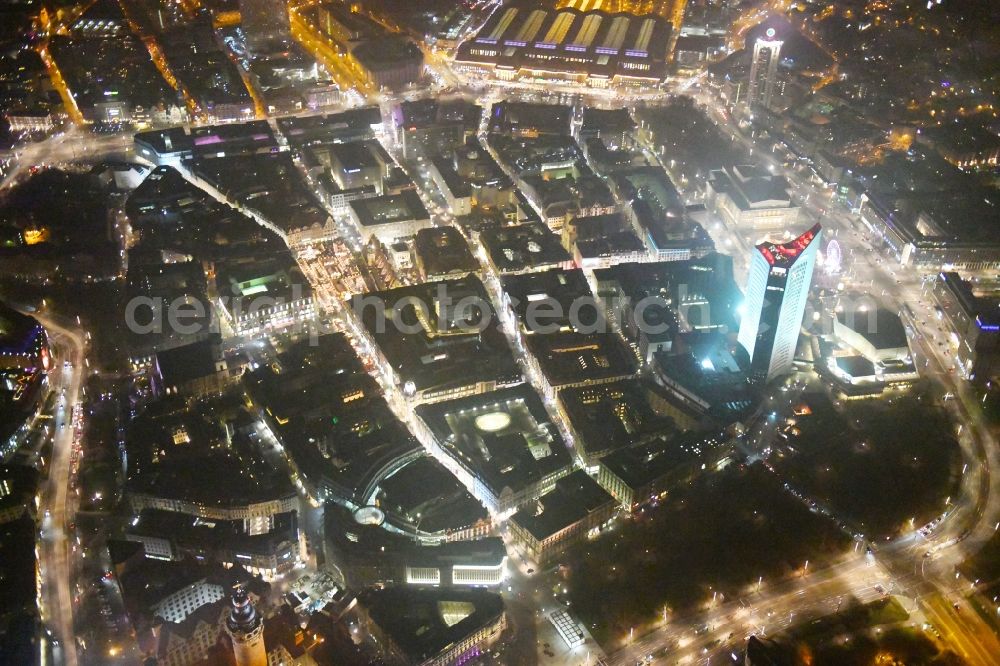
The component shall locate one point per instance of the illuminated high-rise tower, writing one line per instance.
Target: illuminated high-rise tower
(246, 628)
(764, 70)
(777, 289)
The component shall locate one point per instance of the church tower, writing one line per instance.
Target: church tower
(246, 627)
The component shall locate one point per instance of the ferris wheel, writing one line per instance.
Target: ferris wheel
(833, 257)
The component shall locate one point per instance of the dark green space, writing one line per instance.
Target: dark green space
(719, 534)
(72, 209)
(870, 633)
(877, 463)
(98, 304)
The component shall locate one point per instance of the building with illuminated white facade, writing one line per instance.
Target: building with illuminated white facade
(263, 294)
(30, 122)
(777, 289)
(176, 606)
(501, 445)
(941, 230)
(750, 198)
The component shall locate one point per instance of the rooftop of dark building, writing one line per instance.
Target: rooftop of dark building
(145, 581)
(191, 533)
(584, 190)
(187, 363)
(430, 112)
(169, 213)
(881, 327)
(523, 247)
(529, 117)
(856, 366)
(571, 357)
(277, 276)
(985, 309)
(352, 124)
(622, 242)
(597, 226)
(447, 348)
(682, 286)
(425, 622)
(608, 417)
(574, 497)
(529, 154)
(712, 367)
(18, 485)
(17, 566)
(268, 183)
(216, 478)
(561, 292)
(425, 496)
(390, 208)
(354, 155)
(600, 121)
(504, 436)
(639, 465)
(329, 415)
(751, 186)
(443, 251)
(458, 185)
(17, 331)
